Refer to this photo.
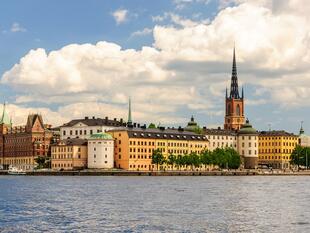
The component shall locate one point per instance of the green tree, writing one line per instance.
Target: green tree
(157, 158)
(234, 160)
(179, 161)
(152, 126)
(300, 156)
(205, 158)
(171, 160)
(43, 162)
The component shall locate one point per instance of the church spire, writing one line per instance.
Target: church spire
(234, 90)
(129, 122)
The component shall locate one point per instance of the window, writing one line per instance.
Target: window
(94, 156)
(238, 110)
(64, 132)
(94, 148)
(91, 131)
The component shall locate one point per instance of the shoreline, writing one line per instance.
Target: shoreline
(162, 173)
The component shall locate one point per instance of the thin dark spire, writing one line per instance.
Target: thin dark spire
(234, 90)
(129, 122)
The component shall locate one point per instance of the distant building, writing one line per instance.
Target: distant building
(21, 145)
(134, 146)
(303, 139)
(234, 110)
(192, 126)
(276, 147)
(69, 154)
(101, 151)
(84, 128)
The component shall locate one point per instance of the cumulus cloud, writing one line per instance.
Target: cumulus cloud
(187, 68)
(120, 16)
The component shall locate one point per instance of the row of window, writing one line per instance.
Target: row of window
(274, 157)
(285, 151)
(278, 144)
(170, 144)
(62, 165)
(64, 149)
(275, 138)
(80, 132)
(65, 156)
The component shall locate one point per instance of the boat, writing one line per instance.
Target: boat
(15, 171)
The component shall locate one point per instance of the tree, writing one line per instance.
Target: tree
(157, 158)
(205, 158)
(300, 156)
(43, 162)
(171, 160)
(152, 126)
(234, 160)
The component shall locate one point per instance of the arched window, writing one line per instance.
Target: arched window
(238, 110)
(228, 109)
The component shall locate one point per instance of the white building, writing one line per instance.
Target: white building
(84, 128)
(221, 138)
(248, 145)
(100, 151)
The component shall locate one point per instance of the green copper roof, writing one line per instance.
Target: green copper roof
(5, 119)
(104, 136)
(247, 128)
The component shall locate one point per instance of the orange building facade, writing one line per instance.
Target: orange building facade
(133, 147)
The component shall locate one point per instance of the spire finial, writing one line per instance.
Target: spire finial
(129, 122)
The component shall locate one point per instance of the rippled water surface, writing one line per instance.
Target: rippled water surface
(154, 204)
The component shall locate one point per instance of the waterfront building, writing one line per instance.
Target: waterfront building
(275, 148)
(234, 103)
(101, 151)
(221, 138)
(248, 145)
(134, 147)
(69, 154)
(303, 139)
(21, 145)
(84, 128)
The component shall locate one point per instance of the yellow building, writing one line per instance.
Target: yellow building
(69, 154)
(275, 148)
(134, 146)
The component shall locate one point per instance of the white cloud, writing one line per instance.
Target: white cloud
(145, 31)
(187, 68)
(120, 16)
(16, 27)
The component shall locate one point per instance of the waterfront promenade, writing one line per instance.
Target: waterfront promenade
(165, 173)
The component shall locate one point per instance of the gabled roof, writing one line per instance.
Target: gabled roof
(73, 142)
(277, 133)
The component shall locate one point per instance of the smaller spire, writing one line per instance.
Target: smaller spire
(192, 119)
(129, 122)
(242, 93)
(301, 131)
(226, 93)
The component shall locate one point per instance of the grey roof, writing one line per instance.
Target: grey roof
(95, 122)
(277, 133)
(73, 142)
(226, 132)
(172, 134)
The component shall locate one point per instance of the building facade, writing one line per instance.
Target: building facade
(84, 128)
(134, 147)
(101, 151)
(221, 138)
(69, 154)
(21, 145)
(248, 145)
(275, 148)
(234, 103)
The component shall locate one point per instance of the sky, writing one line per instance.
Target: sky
(75, 58)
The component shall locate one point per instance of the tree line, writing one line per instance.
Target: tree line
(222, 157)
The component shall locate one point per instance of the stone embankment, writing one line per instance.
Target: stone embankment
(163, 173)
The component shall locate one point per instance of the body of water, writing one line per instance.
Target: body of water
(155, 204)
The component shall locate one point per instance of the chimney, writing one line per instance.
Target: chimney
(86, 118)
(94, 117)
(121, 120)
(204, 128)
(138, 126)
(219, 128)
(114, 119)
(162, 128)
(180, 129)
(134, 125)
